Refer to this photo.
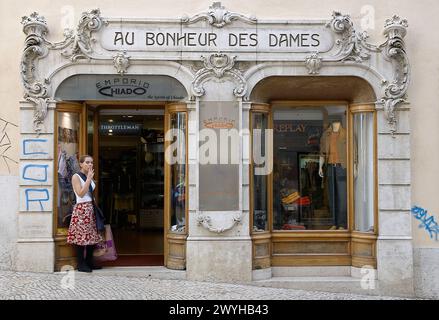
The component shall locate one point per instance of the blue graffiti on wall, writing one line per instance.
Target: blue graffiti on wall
(427, 221)
(42, 169)
(33, 141)
(40, 200)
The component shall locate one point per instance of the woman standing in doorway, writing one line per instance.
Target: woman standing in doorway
(83, 232)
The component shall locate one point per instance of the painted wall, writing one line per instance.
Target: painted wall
(421, 41)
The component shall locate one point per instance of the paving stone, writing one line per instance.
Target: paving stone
(31, 286)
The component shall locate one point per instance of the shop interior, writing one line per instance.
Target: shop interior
(131, 183)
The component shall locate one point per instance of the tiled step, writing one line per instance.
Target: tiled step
(143, 272)
(342, 284)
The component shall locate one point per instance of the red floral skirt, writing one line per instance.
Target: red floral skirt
(82, 229)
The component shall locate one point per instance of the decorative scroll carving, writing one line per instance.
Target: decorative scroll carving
(37, 47)
(35, 28)
(313, 63)
(121, 62)
(79, 45)
(206, 222)
(218, 16)
(219, 65)
(353, 45)
(395, 30)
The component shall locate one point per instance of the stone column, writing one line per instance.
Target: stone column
(394, 247)
(219, 244)
(35, 245)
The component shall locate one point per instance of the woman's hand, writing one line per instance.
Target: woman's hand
(90, 174)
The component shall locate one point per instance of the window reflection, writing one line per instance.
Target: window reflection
(363, 172)
(67, 164)
(310, 165)
(178, 174)
(260, 206)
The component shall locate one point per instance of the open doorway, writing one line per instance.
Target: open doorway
(131, 183)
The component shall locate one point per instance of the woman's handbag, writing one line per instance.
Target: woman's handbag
(100, 218)
(106, 250)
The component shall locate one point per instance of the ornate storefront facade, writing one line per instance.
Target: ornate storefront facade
(287, 92)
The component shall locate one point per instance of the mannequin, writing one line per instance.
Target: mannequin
(335, 127)
(333, 153)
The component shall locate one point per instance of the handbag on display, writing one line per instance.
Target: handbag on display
(106, 250)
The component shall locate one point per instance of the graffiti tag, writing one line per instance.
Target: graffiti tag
(5, 143)
(427, 221)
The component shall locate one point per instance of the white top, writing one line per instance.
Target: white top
(87, 196)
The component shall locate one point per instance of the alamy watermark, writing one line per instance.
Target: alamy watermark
(68, 281)
(222, 146)
(368, 280)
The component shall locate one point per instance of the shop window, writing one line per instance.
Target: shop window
(68, 133)
(363, 159)
(259, 122)
(178, 196)
(310, 168)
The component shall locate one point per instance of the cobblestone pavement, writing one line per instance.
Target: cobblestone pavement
(31, 286)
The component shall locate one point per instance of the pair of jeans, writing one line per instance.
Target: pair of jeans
(337, 192)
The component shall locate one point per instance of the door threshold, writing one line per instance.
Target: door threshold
(149, 272)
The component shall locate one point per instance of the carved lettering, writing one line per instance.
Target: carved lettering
(176, 39)
(292, 40)
(315, 37)
(128, 39)
(118, 37)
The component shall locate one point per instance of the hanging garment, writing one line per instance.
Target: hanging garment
(62, 165)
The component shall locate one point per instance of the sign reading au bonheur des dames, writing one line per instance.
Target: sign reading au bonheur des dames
(287, 38)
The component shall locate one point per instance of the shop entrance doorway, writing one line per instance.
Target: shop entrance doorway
(130, 171)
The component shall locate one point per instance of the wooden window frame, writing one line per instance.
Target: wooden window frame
(351, 239)
(175, 242)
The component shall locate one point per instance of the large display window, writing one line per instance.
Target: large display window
(318, 204)
(310, 168)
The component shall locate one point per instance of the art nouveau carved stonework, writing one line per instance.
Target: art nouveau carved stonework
(313, 63)
(290, 45)
(395, 91)
(74, 47)
(121, 62)
(206, 222)
(352, 44)
(35, 28)
(218, 16)
(219, 65)
(353, 47)
(79, 46)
